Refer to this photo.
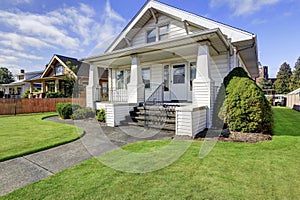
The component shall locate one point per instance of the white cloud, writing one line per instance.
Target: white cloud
(72, 30)
(243, 7)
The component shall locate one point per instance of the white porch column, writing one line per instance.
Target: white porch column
(93, 88)
(56, 85)
(31, 88)
(203, 85)
(136, 87)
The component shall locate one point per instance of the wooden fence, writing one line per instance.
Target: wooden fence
(23, 106)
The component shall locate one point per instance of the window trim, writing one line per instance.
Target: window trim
(157, 33)
(62, 70)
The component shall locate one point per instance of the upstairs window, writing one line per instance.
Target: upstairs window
(21, 77)
(151, 36)
(158, 33)
(163, 32)
(59, 70)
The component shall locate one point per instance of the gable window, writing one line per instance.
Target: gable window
(158, 33)
(151, 36)
(163, 32)
(146, 77)
(21, 77)
(59, 70)
(192, 74)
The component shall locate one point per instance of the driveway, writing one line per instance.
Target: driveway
(21, 171)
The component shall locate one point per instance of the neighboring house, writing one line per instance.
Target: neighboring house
(174, 58)
(293, 99)
(53, 78)
(18, 88)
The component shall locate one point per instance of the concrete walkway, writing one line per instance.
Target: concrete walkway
(21, 171)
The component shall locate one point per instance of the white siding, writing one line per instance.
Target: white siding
(156, 79)
(219, 68)
(115, 113)
(190, 120)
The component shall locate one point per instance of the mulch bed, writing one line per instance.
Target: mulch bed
(233, 136)
(245, 137)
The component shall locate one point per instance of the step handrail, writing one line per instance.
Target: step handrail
(156, 98)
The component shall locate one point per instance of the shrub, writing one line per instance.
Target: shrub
(83, 113)
(54, 95)
(26, 94)
(101, 115)
(65, 110)
(246, 108)
(236, 72)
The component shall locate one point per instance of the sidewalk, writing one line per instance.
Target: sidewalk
(21, 171)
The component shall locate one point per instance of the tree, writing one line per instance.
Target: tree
(295, 78)
(5, 76)
(282, 84)
(264, 83)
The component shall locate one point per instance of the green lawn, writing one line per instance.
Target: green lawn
(266, 170)
(23, 134)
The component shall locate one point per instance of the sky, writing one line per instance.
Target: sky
(31, 31)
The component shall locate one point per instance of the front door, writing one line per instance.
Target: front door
(179, 82)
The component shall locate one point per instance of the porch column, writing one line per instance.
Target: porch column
(93, 88)
(203, 85)
(56, 85)
(136, 87)
(43, 89)
(31, 87)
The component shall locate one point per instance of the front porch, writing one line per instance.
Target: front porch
(179, 71)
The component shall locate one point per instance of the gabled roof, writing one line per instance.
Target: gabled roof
(82, 70)
(297, 91)
(235, 34)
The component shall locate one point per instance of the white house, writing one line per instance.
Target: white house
(178, 56)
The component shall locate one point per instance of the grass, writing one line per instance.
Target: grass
(266, 170)
(24, 134)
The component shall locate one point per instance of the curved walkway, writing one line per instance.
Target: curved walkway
(21, 171)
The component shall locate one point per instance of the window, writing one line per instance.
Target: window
(163, 32)
(59, 70)
(120, 79)
(127, 77)
(146, 77)
(123, 78)
(178, 74)
(151, 36)
(21, 77)
(192, 74)
(166, 78)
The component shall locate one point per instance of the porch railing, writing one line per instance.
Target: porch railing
(118, 95)
(156, 98)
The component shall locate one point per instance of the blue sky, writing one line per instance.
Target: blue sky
(31, 31)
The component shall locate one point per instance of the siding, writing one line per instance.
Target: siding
(219, 68)
(190, 120)
(115, 113)
(156, 79)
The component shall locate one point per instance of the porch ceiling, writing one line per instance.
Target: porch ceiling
(172, 48)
